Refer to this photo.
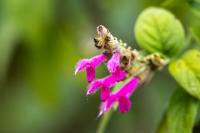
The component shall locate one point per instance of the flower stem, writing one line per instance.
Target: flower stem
(104, 122)
(106, 117)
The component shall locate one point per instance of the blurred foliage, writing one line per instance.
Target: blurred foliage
(181, 114)
(186, 71)
(40, 43)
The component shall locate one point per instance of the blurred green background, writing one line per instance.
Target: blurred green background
(40, 44)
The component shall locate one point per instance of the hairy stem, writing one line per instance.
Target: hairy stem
(104, 122)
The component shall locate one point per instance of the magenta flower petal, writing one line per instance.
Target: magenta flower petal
(94, 86)
(119, 74)
(81, 65)
(97, 60)
(129, 88)
(106, 82)
(90, 65)
(105, 93)
(107, 105)
(124, 104)
(109, 81)
(90, 73)
(114, 63)
(121, 96)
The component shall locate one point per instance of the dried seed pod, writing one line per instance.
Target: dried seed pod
(105, 39)
(156, 61)
(102, 30)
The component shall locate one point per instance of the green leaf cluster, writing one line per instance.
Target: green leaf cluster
(158, 30)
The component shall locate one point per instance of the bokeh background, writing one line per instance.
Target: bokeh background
(40, 44)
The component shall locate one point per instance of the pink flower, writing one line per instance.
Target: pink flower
(121, 97)
(90, 65)
(105, 84)
(114, 63)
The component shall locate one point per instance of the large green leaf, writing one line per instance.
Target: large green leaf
(192, 58)
(157, 30)
(181, 112)
(186, 71)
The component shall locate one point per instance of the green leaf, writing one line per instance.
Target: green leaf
(186, 72)
(157, 30)
(182, 112)
(192, 58)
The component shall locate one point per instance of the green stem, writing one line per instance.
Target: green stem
(107, 115)
(104, 122)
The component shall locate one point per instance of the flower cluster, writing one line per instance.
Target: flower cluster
(123, 64)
